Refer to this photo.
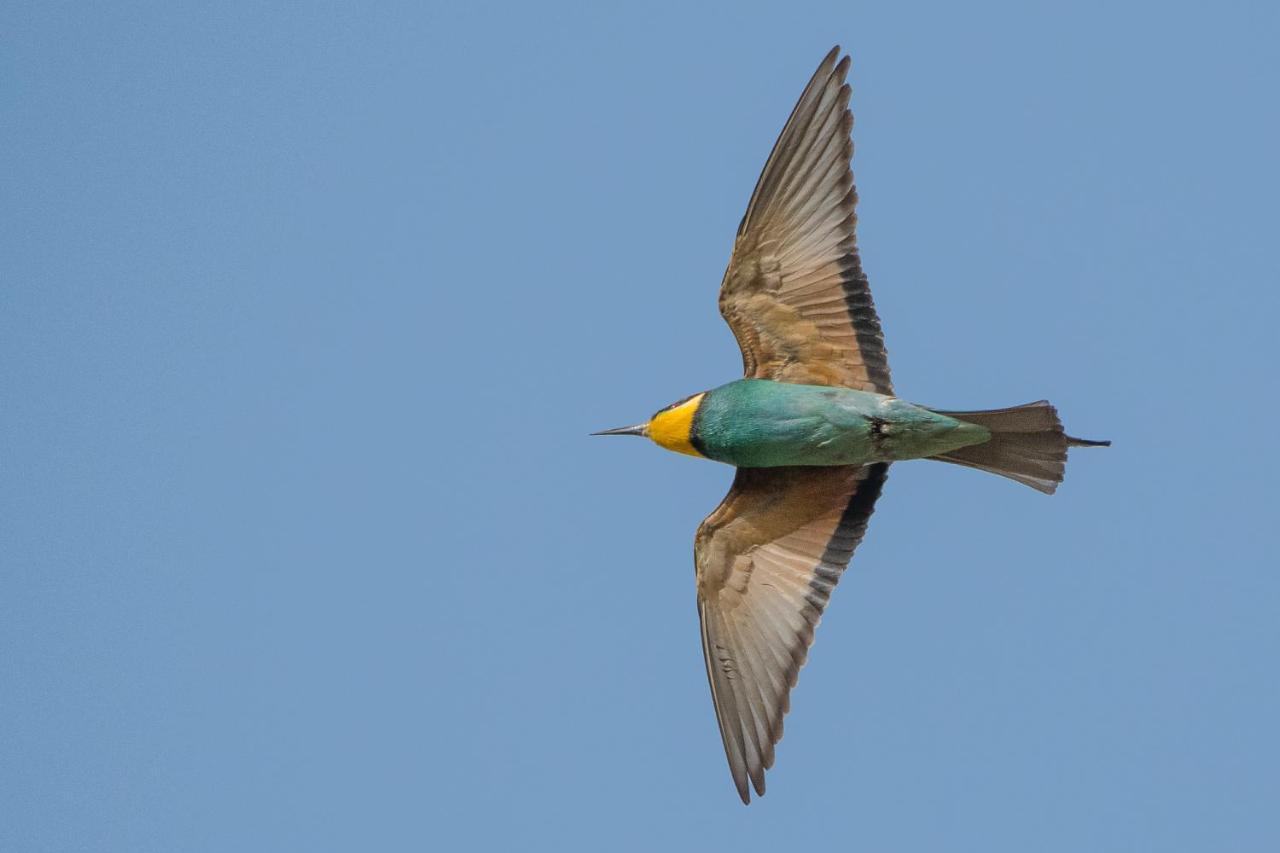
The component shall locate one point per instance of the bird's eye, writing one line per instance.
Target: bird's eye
(677, 404)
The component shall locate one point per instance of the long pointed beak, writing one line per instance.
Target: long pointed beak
(638, 429)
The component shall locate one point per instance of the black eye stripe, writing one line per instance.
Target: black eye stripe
(677, 404)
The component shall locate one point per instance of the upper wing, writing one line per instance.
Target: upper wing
(794, 293)
(767, 560)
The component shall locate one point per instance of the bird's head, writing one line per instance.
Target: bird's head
(672, 427)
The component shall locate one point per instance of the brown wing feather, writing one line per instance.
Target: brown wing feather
(795, 294)
(767, 560)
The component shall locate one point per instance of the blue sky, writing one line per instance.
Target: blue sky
(305, 313)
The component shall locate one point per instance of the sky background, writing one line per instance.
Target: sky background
(306, 312)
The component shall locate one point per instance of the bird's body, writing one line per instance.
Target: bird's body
(812, 427)
(759, 423)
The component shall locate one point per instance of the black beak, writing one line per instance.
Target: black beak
(638, 429)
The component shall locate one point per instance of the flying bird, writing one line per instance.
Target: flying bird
(812, 427)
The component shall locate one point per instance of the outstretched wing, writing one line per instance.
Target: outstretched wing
(767, 560)
(794, 293)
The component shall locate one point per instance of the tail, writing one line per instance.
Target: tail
(1027, 444)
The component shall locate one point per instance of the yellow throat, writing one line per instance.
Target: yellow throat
(672, 427)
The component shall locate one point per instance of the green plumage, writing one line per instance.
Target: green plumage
(758, 423)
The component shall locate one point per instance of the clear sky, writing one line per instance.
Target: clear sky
(306, 313)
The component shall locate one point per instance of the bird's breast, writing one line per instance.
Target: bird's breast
(760, 424)
(756, 423)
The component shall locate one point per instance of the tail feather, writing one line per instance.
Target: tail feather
(1027, 444)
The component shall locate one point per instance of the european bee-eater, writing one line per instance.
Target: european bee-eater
(811, 428)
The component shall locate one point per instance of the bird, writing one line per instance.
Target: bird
(812, 427)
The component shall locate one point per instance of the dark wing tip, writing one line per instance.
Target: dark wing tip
(740, 782)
